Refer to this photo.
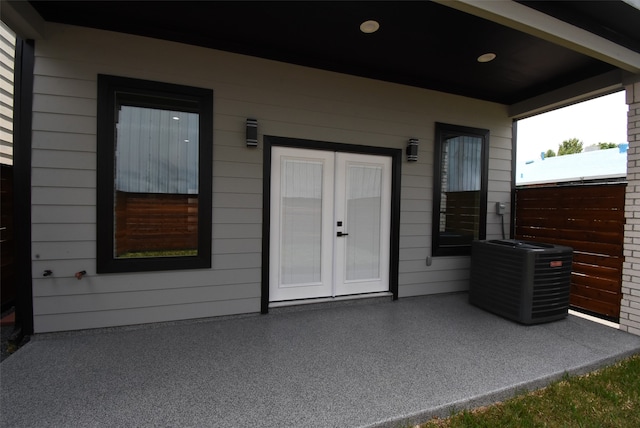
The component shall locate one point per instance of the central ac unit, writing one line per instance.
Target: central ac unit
(528, 282)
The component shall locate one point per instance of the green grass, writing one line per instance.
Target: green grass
(609, 397)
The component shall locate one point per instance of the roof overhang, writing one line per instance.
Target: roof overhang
(538, 24)
(23, 19)
(548, 54)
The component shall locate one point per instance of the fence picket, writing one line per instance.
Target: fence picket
(590, 219)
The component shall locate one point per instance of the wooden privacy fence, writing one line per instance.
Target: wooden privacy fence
(462, 210)
(149, 222)
(590, 219)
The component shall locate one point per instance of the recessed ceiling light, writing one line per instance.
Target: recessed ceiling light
(487, 57)
(175, 118)
(369, 27)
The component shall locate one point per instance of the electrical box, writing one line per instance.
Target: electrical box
(500, 208)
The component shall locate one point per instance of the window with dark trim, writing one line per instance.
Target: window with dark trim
(461, 163)
(154, 175)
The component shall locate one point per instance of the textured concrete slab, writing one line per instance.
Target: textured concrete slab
(378, 364)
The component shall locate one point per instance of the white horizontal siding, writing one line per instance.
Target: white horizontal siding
(7, 63)
(64, 123)
(237, 216)
(46, 232)
(65, 178)
(68, 160)
(236, 169)
(6, 147)
(121, 317)
(64, 196)
(234, 261)
(237, 200)
(65, 141)
(66, 104)
(242, 186)
(145, 298)
(446, 274)
(71, 88)
(61, 214)
(235, 152)
(64, 250)
(240, 231)
(63, 281)
(288, 101)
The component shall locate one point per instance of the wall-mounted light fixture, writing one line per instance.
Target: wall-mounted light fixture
(252, 132)
(412, 150)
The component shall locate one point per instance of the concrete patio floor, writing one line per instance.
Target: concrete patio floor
(360, 365)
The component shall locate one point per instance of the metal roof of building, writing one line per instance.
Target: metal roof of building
(592, 165)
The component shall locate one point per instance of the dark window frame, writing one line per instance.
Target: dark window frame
(443, 132)
(177, 96)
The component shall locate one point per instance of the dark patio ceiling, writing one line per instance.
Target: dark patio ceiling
(419, 43)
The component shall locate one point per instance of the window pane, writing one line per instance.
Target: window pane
(301, 229)
(461, 164)
(156, 182)
(364, 210)
(460, 190)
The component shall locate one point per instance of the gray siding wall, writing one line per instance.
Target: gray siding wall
(288, 101)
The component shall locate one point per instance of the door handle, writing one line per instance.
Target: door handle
(342, 234)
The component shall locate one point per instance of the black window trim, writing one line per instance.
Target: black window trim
(442, 130)
(106, 114)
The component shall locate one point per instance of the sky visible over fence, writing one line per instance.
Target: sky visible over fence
(601, 120)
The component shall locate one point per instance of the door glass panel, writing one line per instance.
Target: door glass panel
(460, 190)
(301, 227)
(364, 189)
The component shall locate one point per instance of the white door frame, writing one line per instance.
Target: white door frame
(396, 158)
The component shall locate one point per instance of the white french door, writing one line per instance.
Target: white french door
(363, 206)
(330, 223)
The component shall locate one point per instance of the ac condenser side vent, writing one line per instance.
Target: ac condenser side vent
(551, 285)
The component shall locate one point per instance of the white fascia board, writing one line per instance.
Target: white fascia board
(634, 3)
(543, 26)
(22, 18)
(584, 90)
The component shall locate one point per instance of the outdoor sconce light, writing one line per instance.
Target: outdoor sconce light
(412, 150)
(252, 133)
